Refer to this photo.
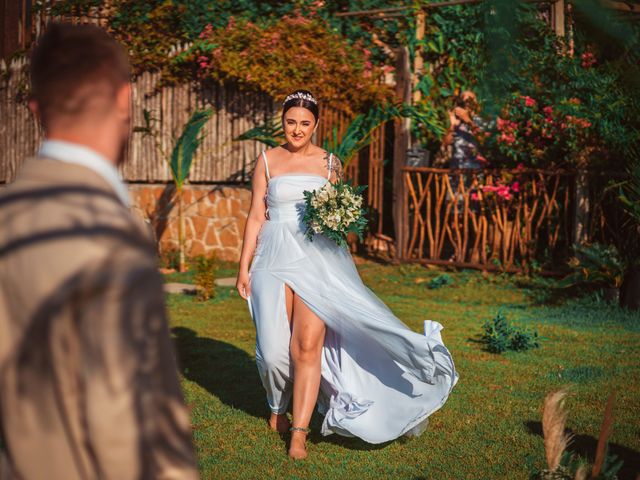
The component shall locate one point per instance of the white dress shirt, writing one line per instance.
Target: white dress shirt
(81, 155)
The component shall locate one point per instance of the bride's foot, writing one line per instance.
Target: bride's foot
(279, 423)
(297, 448)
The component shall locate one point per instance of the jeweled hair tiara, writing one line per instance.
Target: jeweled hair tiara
(301, 96)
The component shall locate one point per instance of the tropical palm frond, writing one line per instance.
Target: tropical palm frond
(186, 146)
(630, 192)
(358, 133)
(270, 133)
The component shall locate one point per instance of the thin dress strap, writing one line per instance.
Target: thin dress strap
(266, 165)
(330, 159)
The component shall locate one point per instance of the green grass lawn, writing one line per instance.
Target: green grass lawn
(490, 427)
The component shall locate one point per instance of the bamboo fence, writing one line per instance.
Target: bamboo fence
(219, 158)
(449, 217)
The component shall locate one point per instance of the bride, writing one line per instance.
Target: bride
(321, 335)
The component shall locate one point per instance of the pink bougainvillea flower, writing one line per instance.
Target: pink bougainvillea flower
(206, 31)
(507, 138)
(515, 186)
(529, 102)
(474, 196)
(588, 59)
(203, 62)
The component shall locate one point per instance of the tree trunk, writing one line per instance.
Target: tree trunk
(630, 290)
(181, 263)
(402, 139)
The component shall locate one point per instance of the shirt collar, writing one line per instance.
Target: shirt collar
(80, 155)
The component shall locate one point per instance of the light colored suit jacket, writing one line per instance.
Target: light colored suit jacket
(88, 380)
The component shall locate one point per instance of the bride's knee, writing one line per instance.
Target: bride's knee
(306, 350)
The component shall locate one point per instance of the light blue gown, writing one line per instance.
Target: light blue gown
(380, 379)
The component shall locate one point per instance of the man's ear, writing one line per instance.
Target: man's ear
(123, 101)
(33, 106)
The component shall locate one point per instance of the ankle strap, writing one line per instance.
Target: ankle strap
(300, 429)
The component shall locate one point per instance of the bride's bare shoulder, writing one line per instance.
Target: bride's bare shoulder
(276, 152)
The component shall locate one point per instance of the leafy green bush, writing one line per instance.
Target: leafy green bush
(596, 265)
(499, 336)
(170, 258)
(440, 281)
(205, 277)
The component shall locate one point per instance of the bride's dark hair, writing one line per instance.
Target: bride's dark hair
(304, 99)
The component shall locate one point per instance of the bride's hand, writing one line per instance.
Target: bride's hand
(242, 284)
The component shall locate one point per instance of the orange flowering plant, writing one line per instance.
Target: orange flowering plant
(291, 52)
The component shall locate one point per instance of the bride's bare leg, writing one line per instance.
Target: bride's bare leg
(280, 423)
(307, 339)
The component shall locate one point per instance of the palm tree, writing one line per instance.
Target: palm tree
(179, 161)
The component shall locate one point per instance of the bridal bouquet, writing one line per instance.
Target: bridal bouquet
(335, 210)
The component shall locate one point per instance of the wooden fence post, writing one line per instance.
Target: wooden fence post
(418, 61)
(557, 17)
(401, 145)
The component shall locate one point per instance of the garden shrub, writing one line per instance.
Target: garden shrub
(499, 336)
(597, 265)
(170, 258)
(440, 281)
(206, 268)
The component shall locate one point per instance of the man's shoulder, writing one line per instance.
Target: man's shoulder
(36, 205)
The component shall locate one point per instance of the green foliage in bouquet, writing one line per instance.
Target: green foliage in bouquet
(335, 210)
(499, 336)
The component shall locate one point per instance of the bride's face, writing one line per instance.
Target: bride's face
(299, 125)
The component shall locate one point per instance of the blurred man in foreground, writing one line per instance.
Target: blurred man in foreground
(88, 381)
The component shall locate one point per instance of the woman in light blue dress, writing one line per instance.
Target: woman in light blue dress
(322, 336)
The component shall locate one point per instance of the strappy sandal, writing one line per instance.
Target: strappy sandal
(300, 429)
(306, 431)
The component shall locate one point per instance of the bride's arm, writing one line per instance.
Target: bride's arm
(336, 170)
(255, 219)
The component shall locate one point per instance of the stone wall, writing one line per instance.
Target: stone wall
(215, 217)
